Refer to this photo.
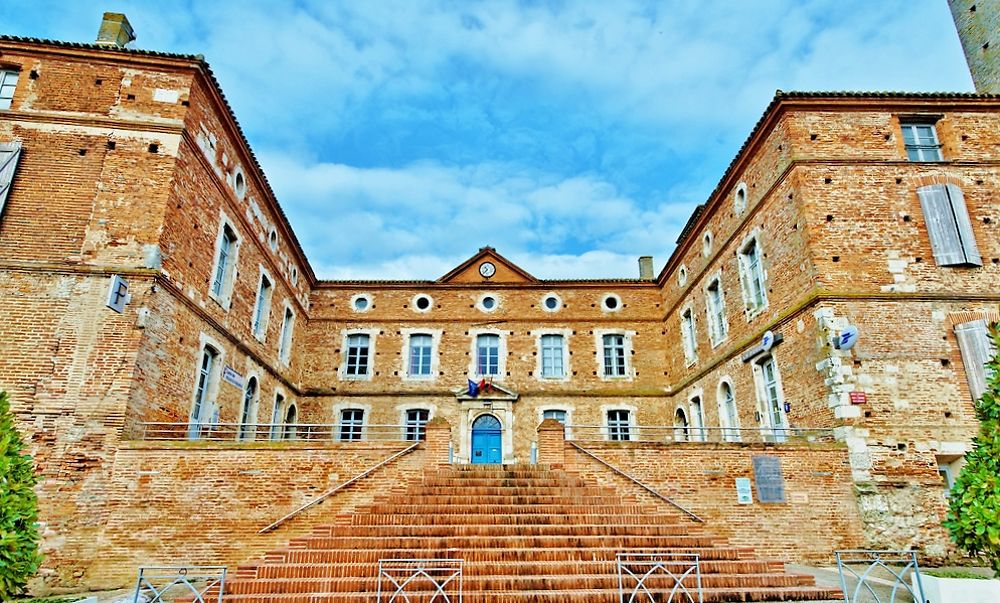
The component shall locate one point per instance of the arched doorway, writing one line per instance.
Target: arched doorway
(680, 426)
(486, 446)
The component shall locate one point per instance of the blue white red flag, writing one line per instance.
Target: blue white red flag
(473, 388)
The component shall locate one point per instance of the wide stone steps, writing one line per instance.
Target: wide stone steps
(525, 534)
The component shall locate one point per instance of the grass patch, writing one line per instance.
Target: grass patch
(954, 573)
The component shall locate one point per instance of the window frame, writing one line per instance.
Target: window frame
(5, 73)
(353, 428)
(205, 394)
(728, 411)
(599, 341)
(689, 335)
(248, 409)
(261, 317)
(949, 225)
(715, 311)
(751, 272)
(10, 154)
(415, 429)
(223, 276)
(552, 356)
(345, 371)
(697, 419)
(488, 363)
(765, 403)
(910, 125)
(618, 430)
(287, 335)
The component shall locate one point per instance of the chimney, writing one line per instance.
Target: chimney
(115, 31)
(646, 267)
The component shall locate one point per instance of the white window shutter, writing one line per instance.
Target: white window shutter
(9, 154)
(961, 213)
(941, 227)
(977, 349)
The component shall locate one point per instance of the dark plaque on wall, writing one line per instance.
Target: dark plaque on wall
(770, 485)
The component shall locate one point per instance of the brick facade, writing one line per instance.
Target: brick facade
(133, 164)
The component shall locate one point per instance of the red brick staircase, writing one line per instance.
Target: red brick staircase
(525, 533)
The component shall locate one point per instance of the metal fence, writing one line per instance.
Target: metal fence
(265, 432)
(427, 580)
(659, 577)
(167, 583)
(671, 433)
(870, 576)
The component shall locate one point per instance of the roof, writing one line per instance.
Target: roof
(204, 66)
(780, 97)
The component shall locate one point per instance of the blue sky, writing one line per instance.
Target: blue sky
(572, 136)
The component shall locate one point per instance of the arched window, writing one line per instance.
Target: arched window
(681, 424)
(249, 410)
(202, 410)
(697, 420)
(291, 418)
(727, 413)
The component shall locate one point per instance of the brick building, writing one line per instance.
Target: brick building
(234, 376)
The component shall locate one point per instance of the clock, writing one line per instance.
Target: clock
(487, 269)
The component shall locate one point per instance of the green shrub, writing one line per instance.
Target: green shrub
(19, 556)
(974, 508)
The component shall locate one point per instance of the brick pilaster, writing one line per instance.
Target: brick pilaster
(552, 443)
(436, 445)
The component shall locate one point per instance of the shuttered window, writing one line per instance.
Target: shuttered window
(8, 82)
(949, 226)
(977, 349)
(10, 152)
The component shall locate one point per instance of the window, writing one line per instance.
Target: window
(272, 239)
(357, 355)
(558, 415)
(287, 326)
(352, 420)
(976, 346)
(611, 303)
(552, 356)
(697, 420)
(249, 410)
(948, 225)
(706, 244)
(771, 397)
(488, 303)
(551, 302)
(688, 336)
(728, 414)
(921, 141)
(224, 261)
(752, 276)
(201, 409)
(10, 152)
(681, 425)
(718, 327)
(420, 355)
(279, 403)
(423, 303)
(682, 275)
(619, 425)
(263, 308)
(416, 424)
(488, 354)
(291, 423)
(740, 198)
(8, 81)
(614, 356)
(361, 302)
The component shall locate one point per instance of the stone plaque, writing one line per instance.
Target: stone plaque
(768, 479)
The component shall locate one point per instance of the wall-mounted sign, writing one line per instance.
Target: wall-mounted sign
(230, 376)
(118, 294)
(768, 478)
(744, 493)
(768, 341)
(858, 397)
(846, 339)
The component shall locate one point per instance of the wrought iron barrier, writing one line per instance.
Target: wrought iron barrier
(441, 579)
(879, 575)
(206, 583)
(674, 433)
(658, 577)
(264, 432)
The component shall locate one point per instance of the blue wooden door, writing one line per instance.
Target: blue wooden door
(486, 446)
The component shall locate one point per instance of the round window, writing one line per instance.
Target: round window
(422, 303)
(362, 302)
(295, 275)
(551, 303)
(489, 302)
(239, 184)
(682, 276)
(706, 244)
(272, 239)
(611, 302)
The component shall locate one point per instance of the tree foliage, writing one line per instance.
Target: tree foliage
(19, 556)
(974, 513)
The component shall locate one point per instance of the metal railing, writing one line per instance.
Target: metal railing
(673, 576)
(638, 482)
(879, 575)
(155, 583)
(671, 433)
(272, 432)
(435, 579)
(338, 488)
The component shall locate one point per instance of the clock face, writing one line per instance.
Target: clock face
(487, 269)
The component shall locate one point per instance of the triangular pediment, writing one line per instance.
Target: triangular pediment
(487, 266)
(494, 392)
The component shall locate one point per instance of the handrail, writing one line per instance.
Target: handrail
(333, 491)
(636, 481)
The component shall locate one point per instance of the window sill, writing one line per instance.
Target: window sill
(355, 377)
(223, 302)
